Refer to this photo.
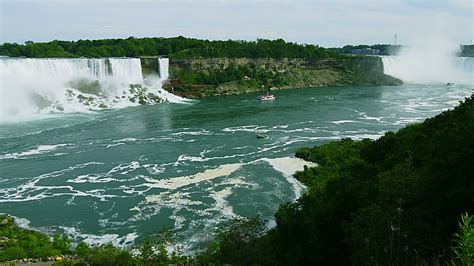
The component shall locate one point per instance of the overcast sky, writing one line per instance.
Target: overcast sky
(328, 23)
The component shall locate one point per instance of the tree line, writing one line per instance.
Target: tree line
(176, 47)
(182, 47)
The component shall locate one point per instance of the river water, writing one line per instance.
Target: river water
(115, 175)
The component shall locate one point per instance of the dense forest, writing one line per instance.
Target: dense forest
(403, 199)
(177, 47)
(182, 47)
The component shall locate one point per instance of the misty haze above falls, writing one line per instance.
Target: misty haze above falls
(34, 86)
(430, 70)
(433, 60)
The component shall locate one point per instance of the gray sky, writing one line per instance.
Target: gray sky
(327, 23)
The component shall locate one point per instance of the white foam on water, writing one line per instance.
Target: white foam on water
(21, 222)
(186, 158)
(221, 203)
(288, 166)
(93, 239)
(190, 211)
(113, 145)
(366, 117)
(270, 223)
(178, 220)
(201, 132)
(241, 148)
(408, 120)
(30, 190)
(338, 122)
(154, 169)
(93, 178)
(248, 128)
(41, 149)
(365, 136)
(128, 167)
(239, 182)
(175, 200)
(166, 198)
(177, 182)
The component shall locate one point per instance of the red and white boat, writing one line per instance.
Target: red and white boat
(266, 97)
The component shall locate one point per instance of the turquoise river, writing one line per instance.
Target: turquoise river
(115, 175)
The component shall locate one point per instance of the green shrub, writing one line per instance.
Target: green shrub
(464, 241)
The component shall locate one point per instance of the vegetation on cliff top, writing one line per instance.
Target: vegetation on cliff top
(177, 47)
(211, 78)
(182, 47)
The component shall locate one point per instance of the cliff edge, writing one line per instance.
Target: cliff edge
(200, 77)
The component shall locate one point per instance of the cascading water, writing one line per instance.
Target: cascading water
(432, 60)
(163, 65)
(37, 86)
(129, 70)
(457, 70)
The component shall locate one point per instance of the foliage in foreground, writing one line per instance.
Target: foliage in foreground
(393, 201)
(17, 243)
(464, 241)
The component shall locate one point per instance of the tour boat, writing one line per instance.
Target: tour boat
(266, 97)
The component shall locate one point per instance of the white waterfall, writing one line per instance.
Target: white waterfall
(430, 69)
(129, 70)
(163, 65)
(37, 86)
(457, 70)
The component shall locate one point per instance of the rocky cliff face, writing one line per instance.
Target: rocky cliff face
(196, 78)
(206, 64)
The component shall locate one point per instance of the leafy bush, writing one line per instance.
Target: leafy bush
(464, 241)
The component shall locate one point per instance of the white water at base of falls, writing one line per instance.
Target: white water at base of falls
(42, 86)
(431, 69)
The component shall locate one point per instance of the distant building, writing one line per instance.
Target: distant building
(366, 51)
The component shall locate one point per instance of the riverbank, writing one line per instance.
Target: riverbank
(201, 77)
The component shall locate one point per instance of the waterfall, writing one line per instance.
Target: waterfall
(37, 86)
(163, 67)
(430, 70)
(129, 70)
